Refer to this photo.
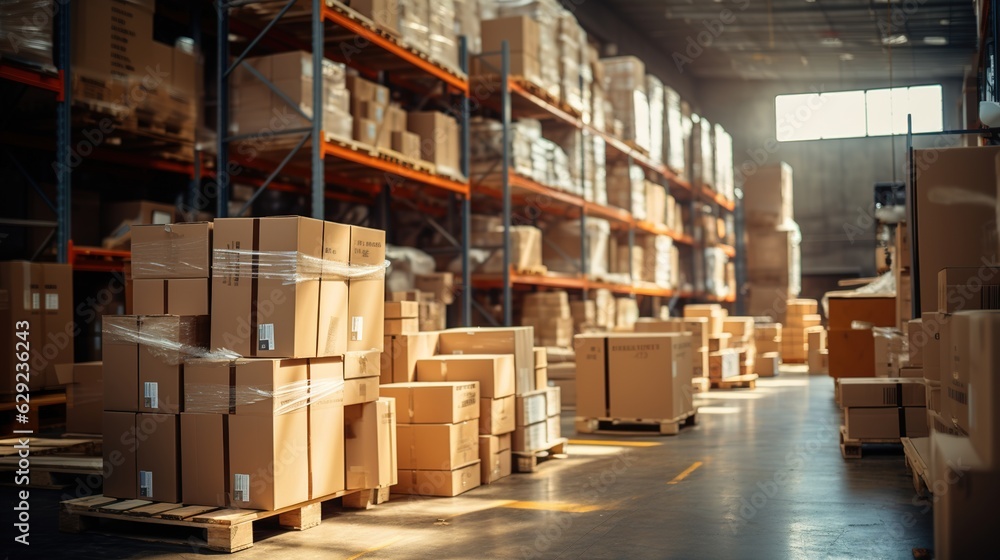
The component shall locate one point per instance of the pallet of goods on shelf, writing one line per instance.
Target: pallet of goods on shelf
(627, 80)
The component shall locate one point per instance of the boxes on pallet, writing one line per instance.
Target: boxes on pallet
(434, 402)
(719, 342)
(627, 81)
(723, 364)
(497, 415)
(439, 139)
(561, 251)
(890, 351)
(495, 457)
(767, 337)
(767, 364)
(621, 375)
(501, 340)
(84, 396)
(370, 438)
(713, 312)
(885, 422)
(525, 248)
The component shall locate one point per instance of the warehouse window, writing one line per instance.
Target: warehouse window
(857, 114)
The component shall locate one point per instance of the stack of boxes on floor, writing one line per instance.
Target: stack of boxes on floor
(818, 360)
(883, 408)
(550, 316)
(767, 341)
(800, 314)
(723, 360)
(432, 294)
(741, 339)
(296, 324)
(699, 329)
(773, 241)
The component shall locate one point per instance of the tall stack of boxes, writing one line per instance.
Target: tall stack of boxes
(549, 313)
(439, 287)
(437, 432)
(850, 341)
(800, 314)
(627, 81)
(723, 361)
(741, 331)
(818, 355)
(773, 240)
(767, 341)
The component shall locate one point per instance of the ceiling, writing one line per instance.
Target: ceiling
(808, 39)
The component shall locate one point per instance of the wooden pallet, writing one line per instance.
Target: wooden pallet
(851, 448)
(53, 472)
(51, 402)
(403, 161)
(223, 529)
(916, 451)
(529, 461)
(700, 384)
(535, 270)
(636, 426)
(737, 382)
(53, 446)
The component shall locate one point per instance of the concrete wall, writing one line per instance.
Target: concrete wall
(833, 178)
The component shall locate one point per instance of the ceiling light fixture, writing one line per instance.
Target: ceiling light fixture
(935, 40)
(945, 22)
(831, 42)
(846, 57)
(895, 40)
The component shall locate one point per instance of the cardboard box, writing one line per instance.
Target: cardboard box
(552, 400)
(406, 143)
(361, 390)
(366, 309)
(333, 291)
(120, 449)
(210, 387)
(180, 296)
(697, 326)
(269, 460)
(531, 407)
(767, 197)
(968, 288)
(22, 300)
(879, 311)
(401, 310)
(365, 131)
(531, 438)
(495, 373)
(203, 458)
(542, 377)
(360, 365)
(718, 342)
(962, 515)
(522, 34)
(326, 426)
(438, 138)
(402, 326)
(541, 357)
(972, 391)
(768, 364)
(497, 416)
(157, 459)
(84, 396)
(123, 37)
(699, 366)
(875, 392)
(401, 354)
(929, 338)
(437, 447)
(518, 341)
(723, 364)
(885, 422)
(915, 342)
(554, 428)
(912, 373)
(852, 353)
(634, 385)
(370, 444)
(495, 461)
(172, 251)
(440, 284)
(434, 403)
(438, 483)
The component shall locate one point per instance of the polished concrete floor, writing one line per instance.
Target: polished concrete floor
(760, 476)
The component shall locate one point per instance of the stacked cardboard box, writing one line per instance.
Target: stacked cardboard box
(525, 248)
(627, 189)
(620, 375)
(773, 239)
(257, 109)
(561, 251)
(546, 13)
(495, 375)
(626, 314)
(523, 37)
(627, 81)
(572, 41)
(890, 352)
(412, 23)
(171, 265)
(767, 364)
(655, 95)
(702, 152)
(852, 350)
(377, 122)
(605, 307)
(401, 318)
(402, 352)
(84, 396)
(36, 308)
(767, 337)
(674, 142)
(883, 408)
(584, 315)
(725, 179)
(439, 139)
(818, 354)
(549, 314)
(696, 326)
(441, 20)
(800, 314)
(741, 331)
(440, 287)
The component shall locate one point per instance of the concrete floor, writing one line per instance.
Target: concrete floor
(761, 476)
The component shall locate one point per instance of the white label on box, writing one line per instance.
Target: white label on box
(52, 301)
(151, 392)
(36, 300)
(241, 487)
(145, 484)
(265, 336)
(357, 328)
(457, 352)
(161, 218)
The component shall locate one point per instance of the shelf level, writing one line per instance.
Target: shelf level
(574, 283)
(96, 259)
(33, 78)
(716, 197)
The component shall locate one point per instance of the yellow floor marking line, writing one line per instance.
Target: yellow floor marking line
(686, 472)
(375, 548)
(614, 443)
(553, 506)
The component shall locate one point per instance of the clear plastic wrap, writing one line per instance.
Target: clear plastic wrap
(656, 96)
(209, 394)
(546, 13)
(724, 174)
(883, 285)
(405, 263)
(26, 32)
(891, 351)
(413, 23)
(291, 267)
(627, 83)
(467, 23)
(171, 250)
(171, 338)
(443, 43)
(674, 147)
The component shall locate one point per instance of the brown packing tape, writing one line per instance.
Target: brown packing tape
(254, 290)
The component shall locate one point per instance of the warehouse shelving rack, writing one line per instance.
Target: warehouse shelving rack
(332, 167)
(511, 97)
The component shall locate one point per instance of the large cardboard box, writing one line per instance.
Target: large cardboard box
(158, 460)
(84, 396)
(439, 138)
(434, 402)
(699, 327)
(948, 233)
(522, 35)
(440, 284)
(172, 251)
(370, 444)
(401, 354)
(113, 38)
(767, 195)
(362, 365)
(973, 389)
(880, 311)
(886, 422)
(518, 341)
(120, 446)
(497, 416)
(963, 515)
(203, 459)
(495, 373)
(768, 364)
(713, 312)
(333, 291)
(326, 426)
(624, 375)
(851, 353)
(366, 309)
(929, 337)
(269, 459)
(179, 296)
(723, 364)
(968, 288)
(437, 447)
(494, 457)
(875, 392)
(438, 483)
(531, 407)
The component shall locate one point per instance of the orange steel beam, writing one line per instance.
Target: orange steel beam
(341, 152)
(33, 78)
